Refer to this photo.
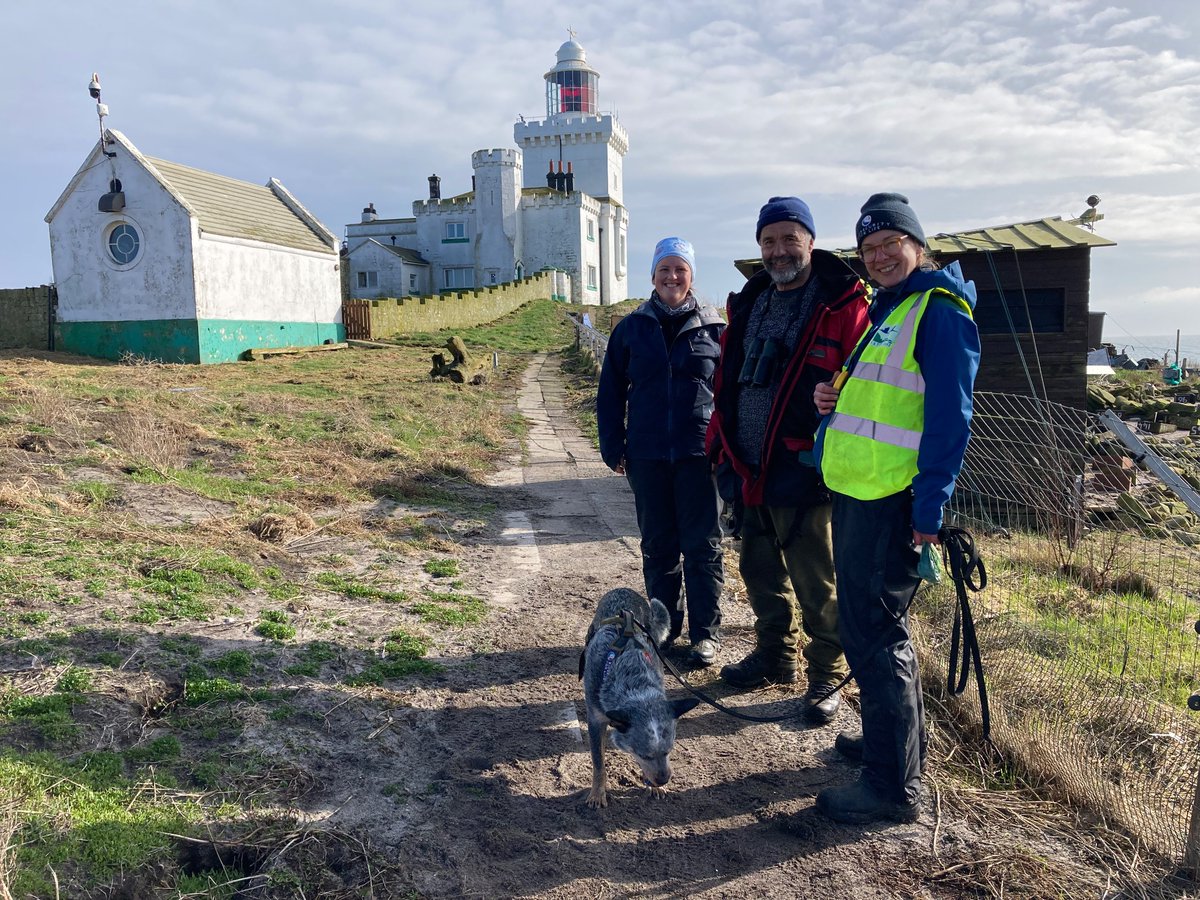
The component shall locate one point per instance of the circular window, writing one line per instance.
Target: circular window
(124, 244)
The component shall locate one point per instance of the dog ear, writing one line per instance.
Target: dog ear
(618, 719)
(679, 707)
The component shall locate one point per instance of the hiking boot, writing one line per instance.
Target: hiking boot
(819, 707)
(757, 671)
(704, 652)
(858, 803)
(850, 745)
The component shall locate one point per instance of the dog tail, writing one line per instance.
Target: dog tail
(660, 621)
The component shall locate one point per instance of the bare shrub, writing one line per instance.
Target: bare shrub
(150, 441)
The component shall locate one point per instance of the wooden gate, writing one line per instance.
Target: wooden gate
(356, 316)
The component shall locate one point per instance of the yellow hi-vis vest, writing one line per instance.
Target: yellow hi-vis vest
(872, 438)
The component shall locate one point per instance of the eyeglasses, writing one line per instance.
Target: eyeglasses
(889, 247)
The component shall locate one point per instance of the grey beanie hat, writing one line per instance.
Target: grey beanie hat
(888, 211)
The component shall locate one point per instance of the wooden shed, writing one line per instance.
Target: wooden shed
(1033, 282)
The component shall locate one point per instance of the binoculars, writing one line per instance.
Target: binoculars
(759, 367)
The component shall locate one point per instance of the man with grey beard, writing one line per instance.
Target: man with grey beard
(790, 328)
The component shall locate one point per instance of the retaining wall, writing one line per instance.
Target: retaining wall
(25, 318)
(458, 309)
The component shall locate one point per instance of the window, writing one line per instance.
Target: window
(1047, 311)
(368, 279)
(456, 233)
(591, 230)
(412, 281)
(124, 242)
(457, 279)
(592, 277)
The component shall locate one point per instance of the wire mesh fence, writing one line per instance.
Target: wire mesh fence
(1088, 626)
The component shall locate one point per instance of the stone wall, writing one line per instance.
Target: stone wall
(458, 309)
(25, 318)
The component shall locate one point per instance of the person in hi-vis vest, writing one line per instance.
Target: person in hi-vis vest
(890, 446)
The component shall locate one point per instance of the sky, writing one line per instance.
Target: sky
(982, 113)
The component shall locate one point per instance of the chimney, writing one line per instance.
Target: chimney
(570, 179)
(435, 188)
(560, 178)
(369, 214)
(550, 176)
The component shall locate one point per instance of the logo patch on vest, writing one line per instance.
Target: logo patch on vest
(886, 336)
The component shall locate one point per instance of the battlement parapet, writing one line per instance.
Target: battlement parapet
(499, 157)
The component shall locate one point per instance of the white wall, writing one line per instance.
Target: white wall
(499, 243)
(392, 272)
(556, 236)
(594, 145)
(248, 280)
(158, 284)
(404, 230)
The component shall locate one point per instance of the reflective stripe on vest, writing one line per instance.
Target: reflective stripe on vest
(872, 439)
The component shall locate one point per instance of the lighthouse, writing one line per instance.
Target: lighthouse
(574, 130)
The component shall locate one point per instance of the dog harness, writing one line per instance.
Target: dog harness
(628, 632)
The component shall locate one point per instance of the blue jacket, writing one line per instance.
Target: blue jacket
(947, 351)
(654, 401)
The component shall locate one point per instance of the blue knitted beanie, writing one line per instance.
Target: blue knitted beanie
(785, 209)
(673, 246)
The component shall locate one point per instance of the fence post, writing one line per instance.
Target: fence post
(1191, 850)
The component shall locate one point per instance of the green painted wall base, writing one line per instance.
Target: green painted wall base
(191, 341)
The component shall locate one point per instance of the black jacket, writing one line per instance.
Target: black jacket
(654, 402)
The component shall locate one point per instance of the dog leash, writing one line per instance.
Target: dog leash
(968, 573)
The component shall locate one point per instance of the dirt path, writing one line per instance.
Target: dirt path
(485, 769)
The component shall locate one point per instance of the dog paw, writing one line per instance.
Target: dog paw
(597, 799)
(656, 792)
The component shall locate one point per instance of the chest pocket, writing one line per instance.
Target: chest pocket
(702, 356)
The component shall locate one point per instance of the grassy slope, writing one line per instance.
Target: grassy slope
(142, 506)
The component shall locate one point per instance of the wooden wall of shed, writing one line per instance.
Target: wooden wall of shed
(1061, 357)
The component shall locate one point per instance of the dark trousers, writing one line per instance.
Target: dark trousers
(876, 566)
(786, 564)
(677, 509)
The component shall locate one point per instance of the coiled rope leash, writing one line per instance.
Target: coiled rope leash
(968, 573)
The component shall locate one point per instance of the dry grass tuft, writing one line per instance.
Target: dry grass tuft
(275, 528)
(150, 441)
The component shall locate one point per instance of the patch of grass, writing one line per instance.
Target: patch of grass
(74, 681)
(160, 750)
(403, 652)
(312, 657)
(93, 828)
(96, 494)
(236, 662)
(212, 690)
(275, 626)
(351, 588)
(446, 608)
(443, 567)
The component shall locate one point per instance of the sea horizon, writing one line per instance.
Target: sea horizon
(1155, 345)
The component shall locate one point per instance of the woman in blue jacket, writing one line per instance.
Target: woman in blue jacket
(652, 410)
(898, 418)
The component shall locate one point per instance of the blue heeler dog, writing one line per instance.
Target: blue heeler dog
(623, 687)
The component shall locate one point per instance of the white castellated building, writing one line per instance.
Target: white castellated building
(554, 203)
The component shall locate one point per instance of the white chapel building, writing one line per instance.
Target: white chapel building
(554, 203)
